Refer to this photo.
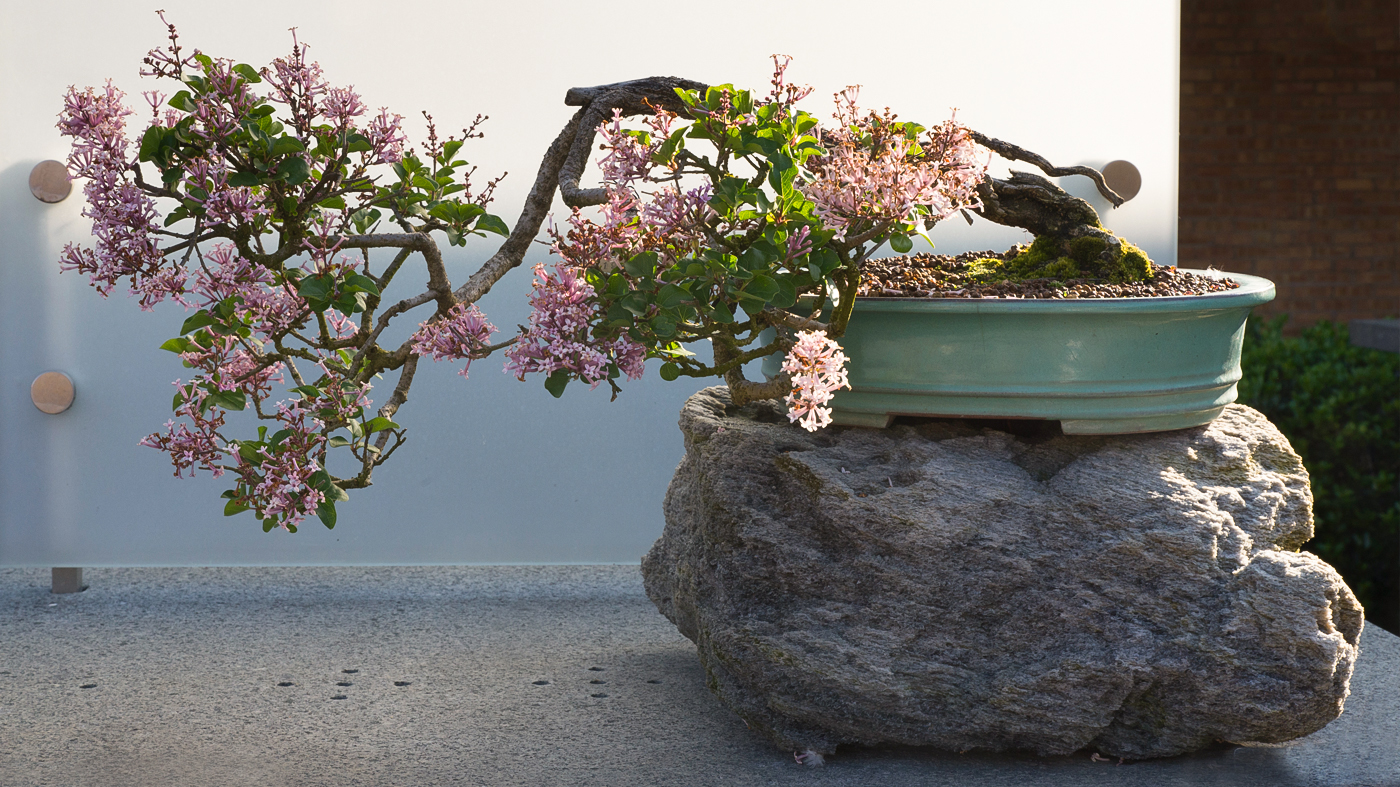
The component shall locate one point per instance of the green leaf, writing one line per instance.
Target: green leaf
(555, 382)
(249, 451)
(229, 400)
(670, 371)
(287, 144)
(722, 314)
(901, 243)
(672, 295)
(150, 142)
(232, 508)
(490, 223)
(761, 287)
(248, 72)
(326, 513)
(177, 345)
(196, 321)
(337, 442)
(664, 325)
(641, 266)
(316, 288)
(244, 179)
(379, 424)
(787, 293)
(358, 283)
(636, 302)
(182, 101)
(782, 172)
(293, 170)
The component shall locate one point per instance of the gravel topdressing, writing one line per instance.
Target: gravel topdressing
(945, 276)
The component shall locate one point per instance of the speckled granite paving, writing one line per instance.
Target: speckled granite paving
(507, 675)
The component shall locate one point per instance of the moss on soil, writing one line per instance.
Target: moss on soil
(1085, 257)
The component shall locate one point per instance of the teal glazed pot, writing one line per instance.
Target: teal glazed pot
(1098, 366)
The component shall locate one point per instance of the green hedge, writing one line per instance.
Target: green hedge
(1339, 406)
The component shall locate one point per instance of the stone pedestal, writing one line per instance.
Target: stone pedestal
(954, 585)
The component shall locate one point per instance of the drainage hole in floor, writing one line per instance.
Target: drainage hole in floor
(344, 683)
(595, 669)
(597, 681)
(337, 696)
(653, 681)
(286, 683)
(599, 694)
(349, 671)
(401, 683)
(541, 683)
(88, 686)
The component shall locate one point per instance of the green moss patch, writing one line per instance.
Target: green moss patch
(1087, 257)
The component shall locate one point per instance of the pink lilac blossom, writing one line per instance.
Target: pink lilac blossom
(860, 186)
(784, 94)
(273, 308)
(386, 139)
(558, 337)
(283, 489)
(123, 218)
(191, 449)
(462, 334)
(298, 84)
(223, 204)
(817, 366)
(628, 159)
(341, 104)
(220, 110)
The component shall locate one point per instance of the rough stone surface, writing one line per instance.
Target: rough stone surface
(946, 583)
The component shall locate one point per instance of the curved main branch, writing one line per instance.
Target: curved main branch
(1017, 153)
(563, 165)
(635, 97)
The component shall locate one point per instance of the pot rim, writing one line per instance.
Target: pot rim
(1253, 291)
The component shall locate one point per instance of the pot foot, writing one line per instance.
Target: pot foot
(1146, 423)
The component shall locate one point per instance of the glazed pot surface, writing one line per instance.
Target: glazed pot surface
(1099, 366)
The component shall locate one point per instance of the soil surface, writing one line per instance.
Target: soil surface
(945, 276)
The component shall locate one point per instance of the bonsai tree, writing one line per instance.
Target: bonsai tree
(279, 210)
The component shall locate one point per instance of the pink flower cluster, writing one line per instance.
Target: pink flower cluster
(123, 218)
(818, 369)
(558, 336)
(281, 487)
(302, 87)
(872, 179)
(462, 334)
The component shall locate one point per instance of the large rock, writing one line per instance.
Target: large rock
(953, 585)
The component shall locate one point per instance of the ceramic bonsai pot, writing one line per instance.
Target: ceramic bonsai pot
(1099, 366)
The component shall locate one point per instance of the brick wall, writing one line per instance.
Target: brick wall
(1290, 150)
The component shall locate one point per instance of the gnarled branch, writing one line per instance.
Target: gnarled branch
(1017, 153)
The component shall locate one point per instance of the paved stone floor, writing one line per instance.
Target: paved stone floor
(524, 675)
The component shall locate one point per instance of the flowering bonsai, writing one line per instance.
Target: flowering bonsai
(278, 209)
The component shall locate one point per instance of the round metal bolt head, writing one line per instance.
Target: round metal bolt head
(1123, 177)
(52, 392)
(49, 181)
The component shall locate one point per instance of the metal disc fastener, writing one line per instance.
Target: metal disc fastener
(52, 392)
(49, 181)
(1123, 177)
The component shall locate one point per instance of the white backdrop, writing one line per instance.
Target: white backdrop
(508, 474)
